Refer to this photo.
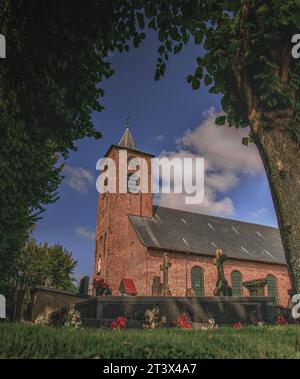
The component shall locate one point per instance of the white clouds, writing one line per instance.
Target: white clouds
(259, 212)
(222, 146)
(85, 232)
(227, 160)
(78, 178)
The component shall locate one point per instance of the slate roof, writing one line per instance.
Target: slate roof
(127, 140)
(176, 230)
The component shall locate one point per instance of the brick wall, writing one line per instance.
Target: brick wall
(180, 273)
(116, 241)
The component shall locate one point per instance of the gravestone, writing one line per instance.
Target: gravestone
(2, 46)
(157, 286)
(2, 307)
(256, 287)
(84, 286)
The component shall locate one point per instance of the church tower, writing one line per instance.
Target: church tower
(114, 232)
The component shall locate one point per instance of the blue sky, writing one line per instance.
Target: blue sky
(166, 117)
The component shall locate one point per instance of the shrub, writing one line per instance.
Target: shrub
(72, 320)
(153, 319)
(211, 325)
(119, 323)
(182, 322)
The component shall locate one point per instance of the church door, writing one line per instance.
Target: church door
(197, 281)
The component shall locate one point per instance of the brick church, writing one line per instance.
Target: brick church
(132, 236)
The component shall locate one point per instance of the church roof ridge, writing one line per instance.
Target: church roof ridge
(214, 217)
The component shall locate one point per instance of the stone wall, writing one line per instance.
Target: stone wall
(47, 300)
(101, 311)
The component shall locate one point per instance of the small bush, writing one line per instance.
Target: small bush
(72, 320)
(153, 319)
(211, 325)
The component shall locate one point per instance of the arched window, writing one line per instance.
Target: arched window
(198, 281)
(272, 287)
(236, 283)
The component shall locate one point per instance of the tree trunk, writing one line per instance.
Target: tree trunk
(281, 159)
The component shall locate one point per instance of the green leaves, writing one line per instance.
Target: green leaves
(246, 141)
(198, 36)
(141, 20)
(196, 84)
(178, 48)
(199, 72)
(220, 120)
(48, 97)
(207, 80)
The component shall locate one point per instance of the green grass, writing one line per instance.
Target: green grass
(29, 341)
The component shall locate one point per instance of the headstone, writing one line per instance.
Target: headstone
(222, 287)
(164, 268)
(2, 46)
(2, 307)
(84, 286)
(157, 286)
(256, 287)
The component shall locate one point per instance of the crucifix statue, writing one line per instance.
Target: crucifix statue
(222, 287)
(164, 268)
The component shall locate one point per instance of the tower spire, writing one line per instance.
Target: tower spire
(127, 139)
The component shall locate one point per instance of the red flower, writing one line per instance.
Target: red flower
(281, 320)
(119, 323)
(237, 325)
(182, 322)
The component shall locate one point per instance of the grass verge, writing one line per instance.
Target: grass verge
(33, 341)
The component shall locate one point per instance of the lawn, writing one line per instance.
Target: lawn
(33, 341)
